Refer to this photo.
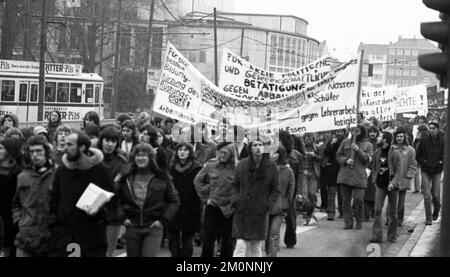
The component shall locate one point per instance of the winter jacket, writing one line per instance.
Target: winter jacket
(394, 165)
(8, 185)
(214, 181)
(71, 180)
(31, 210)
(160, 204)
(287, 186)
(257, 191)
(116, 164)
(355, 176)
(297, 164)
(331, 169)
(188, 216)
(430, 154)
(317, 159)
(408, 166)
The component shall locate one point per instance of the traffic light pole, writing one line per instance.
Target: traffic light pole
(445, 216)
(43, 47)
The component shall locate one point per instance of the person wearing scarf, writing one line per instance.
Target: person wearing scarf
(186, 221)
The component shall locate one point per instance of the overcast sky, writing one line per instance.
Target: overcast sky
(346, 23)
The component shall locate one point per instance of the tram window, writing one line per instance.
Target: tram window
(97, 94)
(63, 92)
(75, 93)
(8, 90)
(34, 93)
(23, 93)
(89, 94)
(50, 92)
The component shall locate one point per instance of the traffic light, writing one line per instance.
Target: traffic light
(437, 31)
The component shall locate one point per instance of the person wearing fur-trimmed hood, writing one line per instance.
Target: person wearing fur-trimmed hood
(82, 165)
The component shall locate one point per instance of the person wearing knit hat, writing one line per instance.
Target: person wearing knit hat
(10, 155)
(41, 130)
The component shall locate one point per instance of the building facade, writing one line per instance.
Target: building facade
(403, 69)
(396, 64)
(375, 61)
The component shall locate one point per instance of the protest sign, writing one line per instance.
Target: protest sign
(412, 99)
(244, 80)
(436, 100)
(379, 103)
(186, 95)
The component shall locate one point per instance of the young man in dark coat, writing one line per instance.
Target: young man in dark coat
(257, 186)
(82, 165)
(430, 156)
(31, 206)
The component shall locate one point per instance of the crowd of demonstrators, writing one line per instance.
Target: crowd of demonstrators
(216, 188)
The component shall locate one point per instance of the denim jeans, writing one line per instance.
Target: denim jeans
(323, 191)
(143, 242)
(431, 190)
(380, 196)
(401, 206)
(248, 248)
(310, 187)
(181, 243)
(273, 240)
(417, 179)
(349, 192)
(214, 223)
(112, 235)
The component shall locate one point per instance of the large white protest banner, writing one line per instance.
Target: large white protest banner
(412, 99)
(186, 95)
(244, 80)
(379, 103)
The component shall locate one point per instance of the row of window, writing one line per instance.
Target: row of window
(404, 72)
(291, 52)
(402, 83)
(394, 62)
(61, 92)
(403, 52)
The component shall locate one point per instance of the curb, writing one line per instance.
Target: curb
(419, 228)
(424, 247)
(420, 243)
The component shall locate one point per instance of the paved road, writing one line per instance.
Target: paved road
(328, 239)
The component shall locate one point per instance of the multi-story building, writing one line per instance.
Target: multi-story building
(274, 42)
(396, 64)
(402, 67)
(375, 63)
